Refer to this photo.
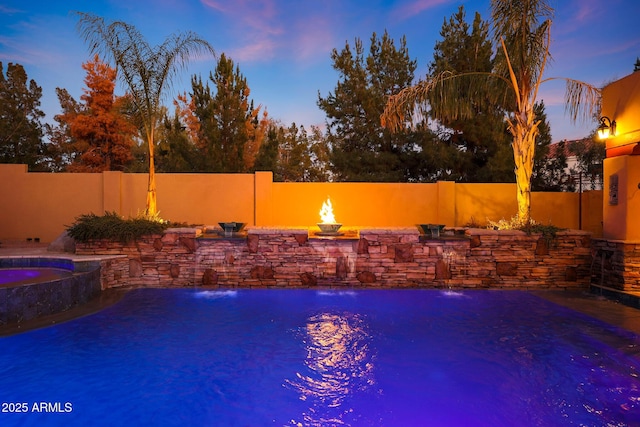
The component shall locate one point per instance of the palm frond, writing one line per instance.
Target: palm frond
(173, 55)
(447, 96)
(582, 100)
(398, 109)
(145, 70)
(513, 20)
(540, 56)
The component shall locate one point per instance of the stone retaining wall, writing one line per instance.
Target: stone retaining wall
(616, 264)
(166, 260)
(367, 257)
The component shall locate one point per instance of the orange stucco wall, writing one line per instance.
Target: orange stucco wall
(591, 212)
(43, 204)
(621, 102)
(356, 204)
(621, 218)
(479, 203)
(192, 198)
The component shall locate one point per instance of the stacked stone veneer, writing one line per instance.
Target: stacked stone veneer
(616, 264)
(374, 258)
(166, 260)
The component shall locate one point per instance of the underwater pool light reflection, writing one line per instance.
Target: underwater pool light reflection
(339, 364)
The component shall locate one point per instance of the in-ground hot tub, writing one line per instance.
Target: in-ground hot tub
(40, 286)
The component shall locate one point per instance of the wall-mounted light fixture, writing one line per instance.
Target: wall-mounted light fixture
(607, 128)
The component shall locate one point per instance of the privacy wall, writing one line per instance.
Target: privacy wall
(41, 205)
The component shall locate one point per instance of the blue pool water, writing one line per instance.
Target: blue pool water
(313, 358)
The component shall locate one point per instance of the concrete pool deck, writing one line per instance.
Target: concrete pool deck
(602, 304)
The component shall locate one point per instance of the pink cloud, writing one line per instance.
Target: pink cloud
(25, 52)
(254, 24)
(260, 50)
(313, 40)
(6, 10)
(586, 11)
(257, 15)
(265, 29)
(415, 7)
(574, 16)
(214, 5)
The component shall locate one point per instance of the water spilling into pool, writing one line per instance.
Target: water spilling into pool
(324, 358)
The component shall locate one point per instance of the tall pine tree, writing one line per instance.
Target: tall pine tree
(293, 154)
(230, 127)
(482, 142)
(62, 150)
(361, 149)
(20, 115)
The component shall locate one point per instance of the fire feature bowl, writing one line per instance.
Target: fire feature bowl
(233, 227)
(326, 227)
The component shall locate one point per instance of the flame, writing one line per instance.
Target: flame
(326, 213)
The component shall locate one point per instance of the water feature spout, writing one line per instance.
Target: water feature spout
(231, 228)
(432, 231)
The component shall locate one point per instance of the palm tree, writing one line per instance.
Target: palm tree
(145, 70)
(522, 30)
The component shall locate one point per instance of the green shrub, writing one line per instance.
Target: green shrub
(548, 231)
(111, 226)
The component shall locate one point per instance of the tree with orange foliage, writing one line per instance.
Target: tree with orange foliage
(102, 134)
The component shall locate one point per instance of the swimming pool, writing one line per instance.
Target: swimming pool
(308, 357)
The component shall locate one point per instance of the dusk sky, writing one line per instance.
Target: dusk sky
(283, 47)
